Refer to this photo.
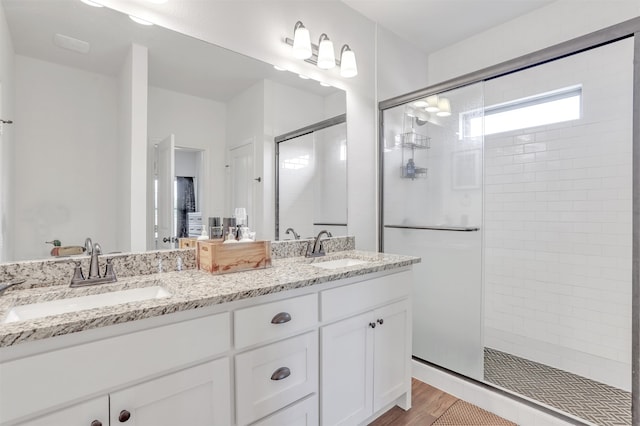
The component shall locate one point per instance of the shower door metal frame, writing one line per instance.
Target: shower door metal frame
(329, 122)
(623, 30)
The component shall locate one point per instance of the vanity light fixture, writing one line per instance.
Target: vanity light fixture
(140, 20)
(326, 56)
(444, 108)
(301, 42)
(348, 67)
(91, 3)
(432, 104)
(323, 54)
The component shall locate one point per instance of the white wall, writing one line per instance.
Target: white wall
(197, 123)
(256, 29)
(401, 66)
(560, 21)
(7, 110)
(558, 221)
(66, 162)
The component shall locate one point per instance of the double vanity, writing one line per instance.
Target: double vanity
(305, 342)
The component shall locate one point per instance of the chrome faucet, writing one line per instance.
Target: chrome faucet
(295, 234)
(94, 277)
(5, 286)
(317, 249)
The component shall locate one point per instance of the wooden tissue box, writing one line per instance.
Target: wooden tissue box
(218, 258)
(184, 243)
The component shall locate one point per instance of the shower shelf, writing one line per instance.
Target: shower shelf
(420, 173)
(413, 140)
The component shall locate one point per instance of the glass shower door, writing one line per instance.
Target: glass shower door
(432, 208)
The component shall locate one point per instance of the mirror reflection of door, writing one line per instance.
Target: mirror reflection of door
(178, 193)
(165, 175)
(241, 182)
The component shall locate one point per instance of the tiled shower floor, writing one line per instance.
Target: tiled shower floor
(590, 400)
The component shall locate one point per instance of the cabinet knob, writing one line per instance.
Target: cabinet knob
(96, 423)
(124, 416)
(281, 318)
(380, 321)
(281, 373)
(372, 324)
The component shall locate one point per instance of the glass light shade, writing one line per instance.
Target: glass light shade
(301, 43)
(432, 102)
(326, 56)
(445, 107)
(420, 104)
(411, 112)
(348, 67)
(91, 3)
(422, 115)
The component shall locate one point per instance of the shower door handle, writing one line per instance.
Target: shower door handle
(436, 228)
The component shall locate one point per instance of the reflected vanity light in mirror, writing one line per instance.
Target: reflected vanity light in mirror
(140, 20)
(91, 3)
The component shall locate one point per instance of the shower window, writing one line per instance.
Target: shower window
(540, 110)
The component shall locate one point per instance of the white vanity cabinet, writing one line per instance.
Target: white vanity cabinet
(272, 376)
(145, 372)
(196, 396)
(336, 353)
(365, 356)
(94, 412)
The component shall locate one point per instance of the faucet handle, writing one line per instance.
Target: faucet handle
(78, 276)
(108, 270)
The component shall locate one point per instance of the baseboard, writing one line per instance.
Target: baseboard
(516, 409)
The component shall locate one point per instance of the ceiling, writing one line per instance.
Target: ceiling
(434, 24)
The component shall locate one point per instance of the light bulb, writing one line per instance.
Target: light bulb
(348, 67)
(445, 107)
(326, 56)
(301, 42)
(432, 102)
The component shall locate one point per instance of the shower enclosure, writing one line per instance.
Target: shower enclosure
(515, 187)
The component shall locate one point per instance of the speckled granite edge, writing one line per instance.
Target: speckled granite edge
(58, 271)
(190, 289)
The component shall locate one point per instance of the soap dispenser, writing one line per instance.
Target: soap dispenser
(204, 235)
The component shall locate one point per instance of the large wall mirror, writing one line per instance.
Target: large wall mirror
(85, 82)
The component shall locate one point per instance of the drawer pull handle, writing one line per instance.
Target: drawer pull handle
(124, 416)
(372, 324)
(281, 318)
(96, 423)
(380, 321)
(281, 373)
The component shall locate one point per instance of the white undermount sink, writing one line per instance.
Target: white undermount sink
(62, 306)
(339, 263)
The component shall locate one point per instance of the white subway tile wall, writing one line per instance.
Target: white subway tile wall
(558, 222)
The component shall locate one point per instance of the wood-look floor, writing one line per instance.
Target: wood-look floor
(427, 404)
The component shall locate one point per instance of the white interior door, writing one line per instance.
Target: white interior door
(241, 193)
(165, 194)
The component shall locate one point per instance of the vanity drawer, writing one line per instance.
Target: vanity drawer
(352, 299)
(272, 377)
(263, 323)
(303, 413)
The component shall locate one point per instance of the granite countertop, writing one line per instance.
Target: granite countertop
(190, 289)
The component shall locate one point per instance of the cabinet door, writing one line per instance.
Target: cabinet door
(391, 375)
(94, 412)
(303, 413)
(347, 371)
(196, 396)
